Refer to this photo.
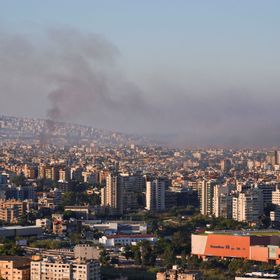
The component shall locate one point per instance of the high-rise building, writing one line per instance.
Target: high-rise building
(222, 202)
(155, 194)
(132, 186)
(267, 191)
(225, 165)
(206, 194)
(276, 197)
(112, 194)
(64, 174)
(272, 158)
(42, 171)
(247, 206)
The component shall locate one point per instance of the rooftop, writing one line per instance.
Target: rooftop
(244, 232)
(18, 227)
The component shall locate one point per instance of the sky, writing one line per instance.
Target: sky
(192, 73)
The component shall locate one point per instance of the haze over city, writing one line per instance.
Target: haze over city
(193, 73)
(139, 140)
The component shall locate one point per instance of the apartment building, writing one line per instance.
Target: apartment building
(112, 194)
(222, 202)
(86, 252)
(178, 274)
(206, 194)
(155, 194)
(62, 269)
(247, 206)
(11, 210)
(125, 239)
(14, 268)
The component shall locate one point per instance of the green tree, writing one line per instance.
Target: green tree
(128, 254)
(104, 257)
(169, 256)
(147, 254)
(137, 257)
(19, 180)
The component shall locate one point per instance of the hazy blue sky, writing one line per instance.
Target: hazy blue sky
(206, 71)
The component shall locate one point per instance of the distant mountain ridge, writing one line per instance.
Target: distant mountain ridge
(48, 131)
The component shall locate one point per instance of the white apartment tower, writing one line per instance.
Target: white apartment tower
(155, 195)
(206, 194)
(247, 206)
(222, 202)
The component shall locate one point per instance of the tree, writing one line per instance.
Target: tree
(114, 260)
(104, 257)
(68, 214)
(147, 254)
(137, 256)
(19, 180)
(128, 254)
(169, 256)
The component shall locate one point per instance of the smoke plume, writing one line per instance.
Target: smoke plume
(67, 75)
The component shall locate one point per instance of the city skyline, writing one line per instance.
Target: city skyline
(194, 74)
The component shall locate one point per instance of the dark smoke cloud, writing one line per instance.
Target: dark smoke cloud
(67, 75)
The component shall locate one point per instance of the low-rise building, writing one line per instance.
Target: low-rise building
(86, 252)
(259, 276)
(24, 231)
(62, 269)
(262, 246)
(44, 223)
(179, 274)
(121, 227)
(123, 239)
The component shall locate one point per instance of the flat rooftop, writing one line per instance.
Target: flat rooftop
(18, 227)
(243, 232)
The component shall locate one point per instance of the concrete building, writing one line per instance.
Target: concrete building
(259, 246)
(14, 268)
(267, 191)
(11, 210)
(132, 186)
(276, 197)
(23, 231)
(275, 215)
(272, 158)
(44, 223)
(62, 269)
(178, 274)
(115, 227)
(155, 195)
(222, 202)
(247, 206)
(123, 240)
(225, 165)
(259, 276)
(86, 252)
(112, 194)
(206, 193)
(81, 212)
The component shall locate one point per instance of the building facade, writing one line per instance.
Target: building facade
(14, 268)
(60, 269)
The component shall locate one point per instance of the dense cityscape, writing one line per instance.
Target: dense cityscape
(139, 140)
(80, 203)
